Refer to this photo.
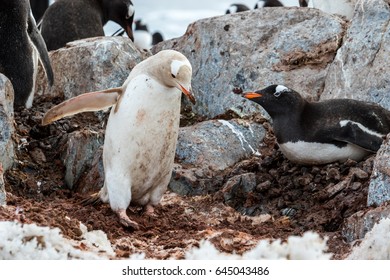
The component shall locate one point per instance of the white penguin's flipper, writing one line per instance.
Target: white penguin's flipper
(87, 102)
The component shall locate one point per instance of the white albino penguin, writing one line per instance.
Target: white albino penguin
(142, 130)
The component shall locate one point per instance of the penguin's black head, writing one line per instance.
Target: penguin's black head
(303, 3)
(236, 8)
(122, 12)
(277, 100)
(139, 25)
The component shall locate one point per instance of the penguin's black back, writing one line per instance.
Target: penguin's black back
(69, 20)
(16, 51)
(270, 3)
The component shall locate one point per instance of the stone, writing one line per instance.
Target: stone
(205, 150)
(79, 156)
(7, 128)
(357, 225)
(92, 179)
(90, 65)
(239, 192)
(379, 188)
(361, 66)
(218, 144)
(248, 51)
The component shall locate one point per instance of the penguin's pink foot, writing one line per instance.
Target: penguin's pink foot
(125, 220)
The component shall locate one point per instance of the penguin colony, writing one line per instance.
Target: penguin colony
(143, 125)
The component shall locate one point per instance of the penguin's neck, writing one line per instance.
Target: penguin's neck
(99, 7)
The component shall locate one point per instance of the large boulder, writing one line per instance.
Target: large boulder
(249, 50)
(89, 65)
(80, 159)
(207, 149)
(360, 69)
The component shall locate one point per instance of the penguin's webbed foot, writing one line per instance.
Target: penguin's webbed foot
(125, 220)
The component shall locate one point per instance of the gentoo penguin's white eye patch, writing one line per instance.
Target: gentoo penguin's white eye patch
(279, 89)
(130, 11)
(175, 67)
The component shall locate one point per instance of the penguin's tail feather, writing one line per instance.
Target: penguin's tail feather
(93, 199)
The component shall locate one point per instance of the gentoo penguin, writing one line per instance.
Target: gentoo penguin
(20, 45)
(38, 8)
(68, 20)
(268, 3)
(341, 7)
(236, 8)
(322, 132)
(142, 130)
(142, 38)
(303, 3)
(157, 37)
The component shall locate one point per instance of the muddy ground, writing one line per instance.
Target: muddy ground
(289, 199)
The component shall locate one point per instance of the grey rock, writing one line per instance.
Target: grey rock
(6, 123)
(218, 144)
(90, 65)
(79, 156)
(357, 225)
(250, 50)
(361, 66)
(205, 150)
(92, 179)
(379, 188)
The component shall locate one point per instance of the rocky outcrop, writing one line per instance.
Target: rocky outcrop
(82, 159)
(361, 66)
(6, 123)
(90, 65)
(362, 222)
(249, 50)
(206, 149)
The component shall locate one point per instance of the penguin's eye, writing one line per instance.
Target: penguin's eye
(173, 76)
(277, 93)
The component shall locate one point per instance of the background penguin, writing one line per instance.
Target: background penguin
(322, 132)
(268, 3)
(68, 20)
(341, 7)
(20, 41)
(142, 37)
(303, 3)
(236, 8)
(142, 130)
(157, 37)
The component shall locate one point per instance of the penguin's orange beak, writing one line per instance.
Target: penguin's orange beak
(252, 95)
(188, 94)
